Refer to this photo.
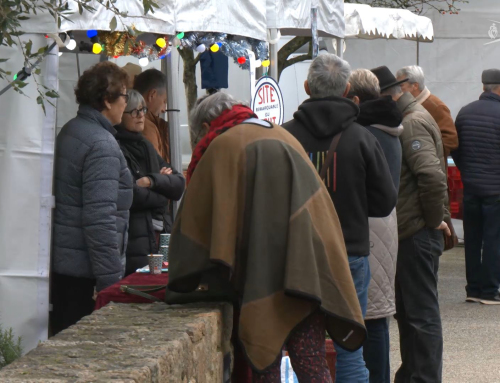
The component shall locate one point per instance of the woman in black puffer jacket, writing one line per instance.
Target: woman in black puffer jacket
(155, 184)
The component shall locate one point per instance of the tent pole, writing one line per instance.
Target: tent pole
(340, 47)
(169, 66)
(273, 55)
(418, 51)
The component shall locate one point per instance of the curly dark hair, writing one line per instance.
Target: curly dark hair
(102, 82)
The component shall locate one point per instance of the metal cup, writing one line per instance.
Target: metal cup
(155, 263)
(164, 252)
(164, 239)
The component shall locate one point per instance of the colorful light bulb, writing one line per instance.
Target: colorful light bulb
(266, 63)
(214, 48)
(180, 35)
(91, 33)
(242, 60)
(161, 42)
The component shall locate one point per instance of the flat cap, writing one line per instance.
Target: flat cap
(491, 76)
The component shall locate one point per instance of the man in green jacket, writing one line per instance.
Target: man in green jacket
(421, 211)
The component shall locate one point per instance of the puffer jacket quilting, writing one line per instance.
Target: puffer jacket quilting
(383, 256)
(93, 190)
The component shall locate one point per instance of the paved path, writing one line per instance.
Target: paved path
(471, 330)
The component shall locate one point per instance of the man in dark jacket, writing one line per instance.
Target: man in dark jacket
(358, 179)
(478, 159)
(421, 210)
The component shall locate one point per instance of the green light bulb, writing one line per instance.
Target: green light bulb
(15, 77)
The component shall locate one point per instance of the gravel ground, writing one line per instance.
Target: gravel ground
(471, 330)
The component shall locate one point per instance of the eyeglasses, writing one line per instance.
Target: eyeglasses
(135, 112)
(124, 95)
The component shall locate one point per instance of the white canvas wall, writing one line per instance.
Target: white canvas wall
(26, 154)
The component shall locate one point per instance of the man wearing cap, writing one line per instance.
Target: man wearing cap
(421, 211)
(478, 159)
(436, 108)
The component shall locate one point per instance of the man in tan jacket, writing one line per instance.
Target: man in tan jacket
(421, 211)
(436, 108)
(152, 84)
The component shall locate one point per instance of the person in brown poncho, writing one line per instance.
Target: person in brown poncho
(256, 212)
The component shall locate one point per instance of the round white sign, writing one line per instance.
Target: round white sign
(267, 102)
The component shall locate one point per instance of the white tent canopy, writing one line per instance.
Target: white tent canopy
(293, 17)
(367, 22)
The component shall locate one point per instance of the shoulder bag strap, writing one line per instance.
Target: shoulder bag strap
(330, 156)
(142, 291)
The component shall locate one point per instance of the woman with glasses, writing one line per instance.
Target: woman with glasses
(93, 190)
(155, 184)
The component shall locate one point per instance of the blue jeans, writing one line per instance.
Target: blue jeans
(482, 232)
(377, 349)
(351, 367)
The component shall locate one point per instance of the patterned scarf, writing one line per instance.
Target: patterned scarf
(228, 118)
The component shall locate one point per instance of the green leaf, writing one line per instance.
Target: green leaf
(38, 71)
(42, 50)
(21, 84)
(23, 18)
(39, 101)
(80, 8)
(52, 94)
(3, 60)
(113, 24)
(28, 47)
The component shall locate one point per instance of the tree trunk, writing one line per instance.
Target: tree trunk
(190, 87)
(290, 47)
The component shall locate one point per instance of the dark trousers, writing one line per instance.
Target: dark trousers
(71, 301)
(482, 232)
(376, 350)
(417, 307)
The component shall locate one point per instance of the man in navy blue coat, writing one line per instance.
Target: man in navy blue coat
(478, 159)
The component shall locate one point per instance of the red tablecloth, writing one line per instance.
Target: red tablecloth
(113, 293)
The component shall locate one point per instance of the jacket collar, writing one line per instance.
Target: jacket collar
(393, 131)
(405, 102)
(90, 113)
(423, 96)
(124, 134)
(490, 96)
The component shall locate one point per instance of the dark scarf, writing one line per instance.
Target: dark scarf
(228, 118)
(382, 111)
(135, 148)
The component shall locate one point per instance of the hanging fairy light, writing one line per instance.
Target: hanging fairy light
(180, 35)
(71, 45)
(143, 61)
(214, 48)
(97, 48)
(91, 33)
(201, 48)
(242, 60)
(266, 63)
(161, 42)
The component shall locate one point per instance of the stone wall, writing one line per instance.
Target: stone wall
(134, 343)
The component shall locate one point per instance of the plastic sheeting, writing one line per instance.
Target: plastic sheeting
(26, 163)
(293, 17)
(367, 22)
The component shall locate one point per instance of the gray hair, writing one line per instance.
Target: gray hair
(491, 87)
(364, 84)
(328, 76)
(207, 108)
(134, 100)
(414, 74)
(393, 91)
